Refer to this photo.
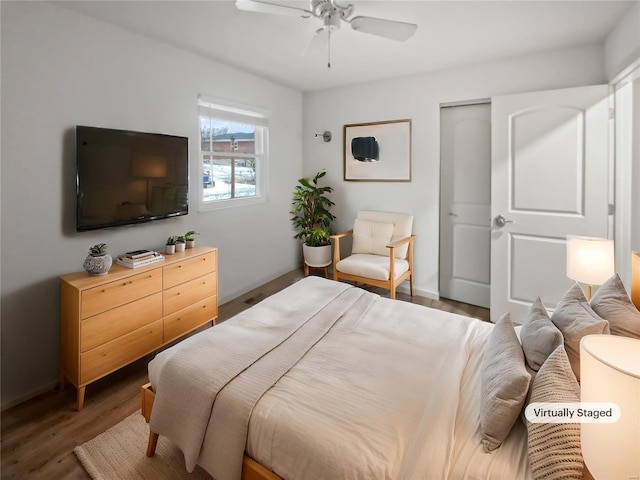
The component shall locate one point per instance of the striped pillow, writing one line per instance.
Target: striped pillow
(554, 448)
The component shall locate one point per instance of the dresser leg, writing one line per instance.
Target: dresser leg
(81, 397)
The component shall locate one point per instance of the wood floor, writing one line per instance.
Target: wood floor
(38, 436)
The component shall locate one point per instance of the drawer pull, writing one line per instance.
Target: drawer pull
(179, 266)
(127, 283)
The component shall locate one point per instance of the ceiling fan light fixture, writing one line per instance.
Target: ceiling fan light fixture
(331, 22)
(332, 13)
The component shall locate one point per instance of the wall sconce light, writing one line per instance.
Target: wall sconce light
(326, 135)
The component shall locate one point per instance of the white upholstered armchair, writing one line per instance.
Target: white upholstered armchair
(382, 252)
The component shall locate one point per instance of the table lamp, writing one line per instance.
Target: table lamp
(590, 260)
(610, 372)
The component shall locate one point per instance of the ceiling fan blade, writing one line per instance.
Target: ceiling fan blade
(384, 28)
(318, 43)
(260, 6)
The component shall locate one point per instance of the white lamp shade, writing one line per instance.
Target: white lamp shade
(590, 260)
(610, 373)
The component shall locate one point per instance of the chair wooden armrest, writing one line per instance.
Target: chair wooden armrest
(336, 249)
(338, 236)
(402, 241)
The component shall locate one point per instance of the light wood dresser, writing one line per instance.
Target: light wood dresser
(111, 320)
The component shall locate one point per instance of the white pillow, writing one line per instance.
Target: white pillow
(613, 304)
(575, 319)
(371, 237)
(539, 336)
(554, 448)
(504, 384)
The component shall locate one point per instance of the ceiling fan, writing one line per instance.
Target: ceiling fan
(332, 15)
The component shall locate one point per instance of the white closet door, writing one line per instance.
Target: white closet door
(465, 203)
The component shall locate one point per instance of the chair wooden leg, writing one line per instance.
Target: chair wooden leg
(411, 284)
(152, 444)
(392, 292)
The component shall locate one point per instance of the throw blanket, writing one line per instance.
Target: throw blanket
(222, 384)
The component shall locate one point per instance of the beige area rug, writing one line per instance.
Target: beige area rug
(120, 453)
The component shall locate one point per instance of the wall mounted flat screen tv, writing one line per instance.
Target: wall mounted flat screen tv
(125, 177)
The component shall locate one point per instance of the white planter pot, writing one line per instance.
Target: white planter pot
(180, 247)
(169, 249)
(191, 243)
(317, 256)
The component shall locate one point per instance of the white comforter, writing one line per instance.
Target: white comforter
(390, 391)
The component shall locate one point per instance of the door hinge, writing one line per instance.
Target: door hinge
(612, 209)
(612, 113)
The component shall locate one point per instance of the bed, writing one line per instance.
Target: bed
(325, 380)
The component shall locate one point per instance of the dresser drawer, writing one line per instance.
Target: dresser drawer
(191, 317)
(118, 321)
(188, 269)
(187, 293)
(110, 295)
(113, 355)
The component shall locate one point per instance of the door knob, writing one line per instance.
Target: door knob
(500, 221)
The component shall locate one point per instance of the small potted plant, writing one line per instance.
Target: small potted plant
(180, 243)
(312, 220)
(98, 262)
(190, 238)
(170, 247)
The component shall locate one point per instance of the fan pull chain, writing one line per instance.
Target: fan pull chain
(329, 49)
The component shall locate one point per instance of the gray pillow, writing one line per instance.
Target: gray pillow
(575, 319)
(554, 448)
(612, 303)
(539, 336)
(504, 384)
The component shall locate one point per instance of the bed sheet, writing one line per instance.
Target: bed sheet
(391, 391)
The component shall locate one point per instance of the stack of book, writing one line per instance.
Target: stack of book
(139, 258)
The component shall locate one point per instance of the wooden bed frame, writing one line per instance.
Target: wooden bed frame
(252, 470)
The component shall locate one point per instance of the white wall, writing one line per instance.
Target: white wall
(61, 69)
(622, 49)
(622, 46)
(419, 98)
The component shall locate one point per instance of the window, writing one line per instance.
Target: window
(233, 154)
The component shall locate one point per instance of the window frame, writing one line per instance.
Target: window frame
(217, 109)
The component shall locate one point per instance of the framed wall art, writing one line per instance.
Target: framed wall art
(378, 151)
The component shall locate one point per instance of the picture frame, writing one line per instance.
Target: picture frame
(377, 151)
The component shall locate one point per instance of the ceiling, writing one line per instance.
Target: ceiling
(450, 33)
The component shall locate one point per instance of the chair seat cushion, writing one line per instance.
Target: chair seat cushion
(371, 266)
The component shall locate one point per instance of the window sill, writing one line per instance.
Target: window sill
(231, 203)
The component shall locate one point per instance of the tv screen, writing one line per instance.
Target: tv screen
(125, 177)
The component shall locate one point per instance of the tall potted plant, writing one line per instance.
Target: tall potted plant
(312, 219)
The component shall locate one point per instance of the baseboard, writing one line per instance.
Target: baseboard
(260, 282)
(6, 404)
(417, 291)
